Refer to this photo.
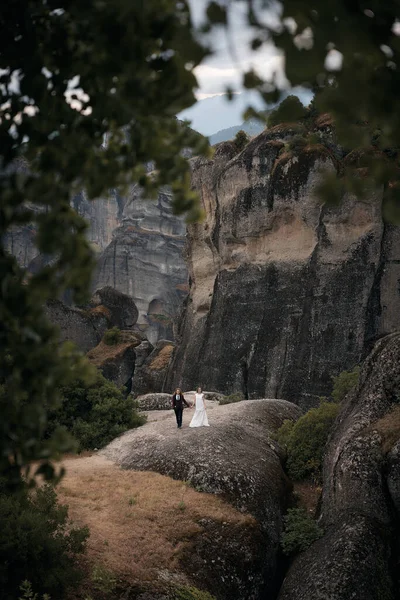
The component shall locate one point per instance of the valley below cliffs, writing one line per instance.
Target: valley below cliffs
(285, 291)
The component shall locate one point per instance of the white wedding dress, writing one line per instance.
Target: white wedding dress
(199, 418)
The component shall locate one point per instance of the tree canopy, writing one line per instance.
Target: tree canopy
(88, 95)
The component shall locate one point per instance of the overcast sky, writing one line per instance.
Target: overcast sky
(232, 57)
(232, 54)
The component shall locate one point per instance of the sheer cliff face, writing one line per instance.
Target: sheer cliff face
(144, 260)
(285, 292)
(139, 245)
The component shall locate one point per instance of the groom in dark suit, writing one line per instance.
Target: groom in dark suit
(177, 404)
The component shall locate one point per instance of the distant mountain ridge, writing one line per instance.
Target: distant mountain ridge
(252, 127)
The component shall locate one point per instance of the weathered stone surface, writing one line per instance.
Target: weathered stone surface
(358, 557)
(139, 246)
(83, 327)
(235, 457)
(117, 362)
(153, 370)
(121, 308)
(285, 292)
(144, 260)
(154, 401)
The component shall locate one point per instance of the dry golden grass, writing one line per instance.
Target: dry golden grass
(103, 353)
(162, 359)
(100, 310)
(139, 521)
(389, 429)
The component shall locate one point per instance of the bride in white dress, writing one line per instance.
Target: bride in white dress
(199, 418)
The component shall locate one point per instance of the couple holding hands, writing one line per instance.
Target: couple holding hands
(199, 418)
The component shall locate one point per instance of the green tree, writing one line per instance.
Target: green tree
(344, 382)
(241, 140)
(289, 110)
(305, 441)
(300, 531)
(38, 545)
(88, 94)
(94, 413)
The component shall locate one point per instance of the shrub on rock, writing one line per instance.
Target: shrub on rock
(112, 336)
(290, 110)
(300, 531)
(241, 140)
(305, 441)
(236, 397)
(344, 382)
(94, 413)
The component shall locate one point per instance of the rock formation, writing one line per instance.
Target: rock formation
(285, 291)
(235, 457)
(144, 260)
(153, 370)
(83, 327)
(359, 556)
(139, 246)
(117, 361)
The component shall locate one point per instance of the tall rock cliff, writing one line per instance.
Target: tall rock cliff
(144, 260)
(139, 245)
(285, 291)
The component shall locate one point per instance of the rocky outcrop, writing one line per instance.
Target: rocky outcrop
(144, 260)
(139, 245)
(83, 327)
(285, 291)
(359, 556)
(153, 370)
(117, 361)
(156, 401)
(121, 308)
(86, 326)
(235, 457)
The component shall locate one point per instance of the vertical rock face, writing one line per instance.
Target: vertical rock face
(285, 292)
(358, 556)
(144, 260)
(139, 244)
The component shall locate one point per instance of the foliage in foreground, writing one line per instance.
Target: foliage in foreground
(344, 382)
(38, 545)
(237, 397)
(300, 531)
(94, 413)
(305, 441)
(72, 73)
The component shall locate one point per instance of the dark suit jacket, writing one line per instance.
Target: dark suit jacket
(182, 401)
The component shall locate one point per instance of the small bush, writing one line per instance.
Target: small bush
(237, 397)
(112, 336)
(297, 143)
(103, 580)
(344, 382)
(94, 413)
(300, 531)
(305, 441)
(241, 140)
(290, 110)
(38, 546)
